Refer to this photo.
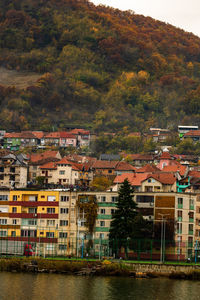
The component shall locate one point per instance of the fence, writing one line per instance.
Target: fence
(51, 242)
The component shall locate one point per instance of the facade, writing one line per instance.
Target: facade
(51, 222)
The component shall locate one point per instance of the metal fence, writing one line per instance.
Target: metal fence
(51, 242)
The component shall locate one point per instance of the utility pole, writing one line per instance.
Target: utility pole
(162, 237)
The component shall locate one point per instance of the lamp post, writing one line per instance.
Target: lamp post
(162, 237)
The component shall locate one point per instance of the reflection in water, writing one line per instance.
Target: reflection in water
(16, 286)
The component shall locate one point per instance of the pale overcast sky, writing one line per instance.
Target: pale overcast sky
(184, 14)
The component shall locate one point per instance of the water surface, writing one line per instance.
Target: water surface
(14, 286)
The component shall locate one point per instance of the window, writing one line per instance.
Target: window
(190, 228)
(50, 222)
(3, 233)
(12, 170)
(32, 222)
(64, 210)
(14, 197)
(64, 198)
(3, 221)
(179, 227)
(179, 238)
(50, 247)
(101, 235)
(63, 222)
(51, 198)
(50, 234)
(63, 235)
(179, 212)
(109, 171)
(112, 211)
(1, 177)
(32, 198)
(180, 201)
(62, 247)
(14, 209)
(149, 180)
(13, 233)
(191, 215)
(102, 223)
(28, 233)
(114, 199)
(103, 198)
(32, 210)
(103, 211)
(34, 174)
(3, 197)
(14, 221)
(1, 169)
(51, 210)
(62, 172)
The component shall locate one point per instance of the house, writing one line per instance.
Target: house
(135, 180)
(104, 168)
(83, 137)
(38, 159)
(192, 134)
(66, 173)
(67, 140)
(13, 171)
(159, 182)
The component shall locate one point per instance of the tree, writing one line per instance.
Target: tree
(127, 223)
(121, 227)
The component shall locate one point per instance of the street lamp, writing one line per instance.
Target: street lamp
(162, 237)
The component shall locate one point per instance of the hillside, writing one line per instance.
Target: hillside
(102, 68)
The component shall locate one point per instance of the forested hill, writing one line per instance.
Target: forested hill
(99, 68)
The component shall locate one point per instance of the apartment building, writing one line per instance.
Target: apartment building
(51, 221)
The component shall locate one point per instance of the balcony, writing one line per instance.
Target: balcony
(190, 232)
(180, 205)
(191, 220)
(104, 217)
(191, 207)
(180, 219)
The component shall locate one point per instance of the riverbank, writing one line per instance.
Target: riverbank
(100, 268)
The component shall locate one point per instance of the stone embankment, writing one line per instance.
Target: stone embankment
(103, 268)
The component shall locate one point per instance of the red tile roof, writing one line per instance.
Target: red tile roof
(164, 178)
(165, 155)
(66, 135)
(104, 164)
(134, 179)
(148, 168)
(49, 165)
(175, 168)
(192, 133)
(37, 157)
(124, 166)
(80, 131)
(194, 174)
(52, 135)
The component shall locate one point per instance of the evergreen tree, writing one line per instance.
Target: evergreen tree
(127, 224)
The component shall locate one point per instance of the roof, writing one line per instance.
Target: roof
(109, 157)
(75, 166)
(12, 135)
(164, 178)
(124, 166)
(148, 168)
(80, 131)
(135, 134)
(66, 135)
(49, 165)
(37, 157)
(175, 168)
(134, 179)
(192, 133)
(52, 135)
(104, 164)
(165, 155)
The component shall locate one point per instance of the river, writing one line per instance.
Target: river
(18, 286)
